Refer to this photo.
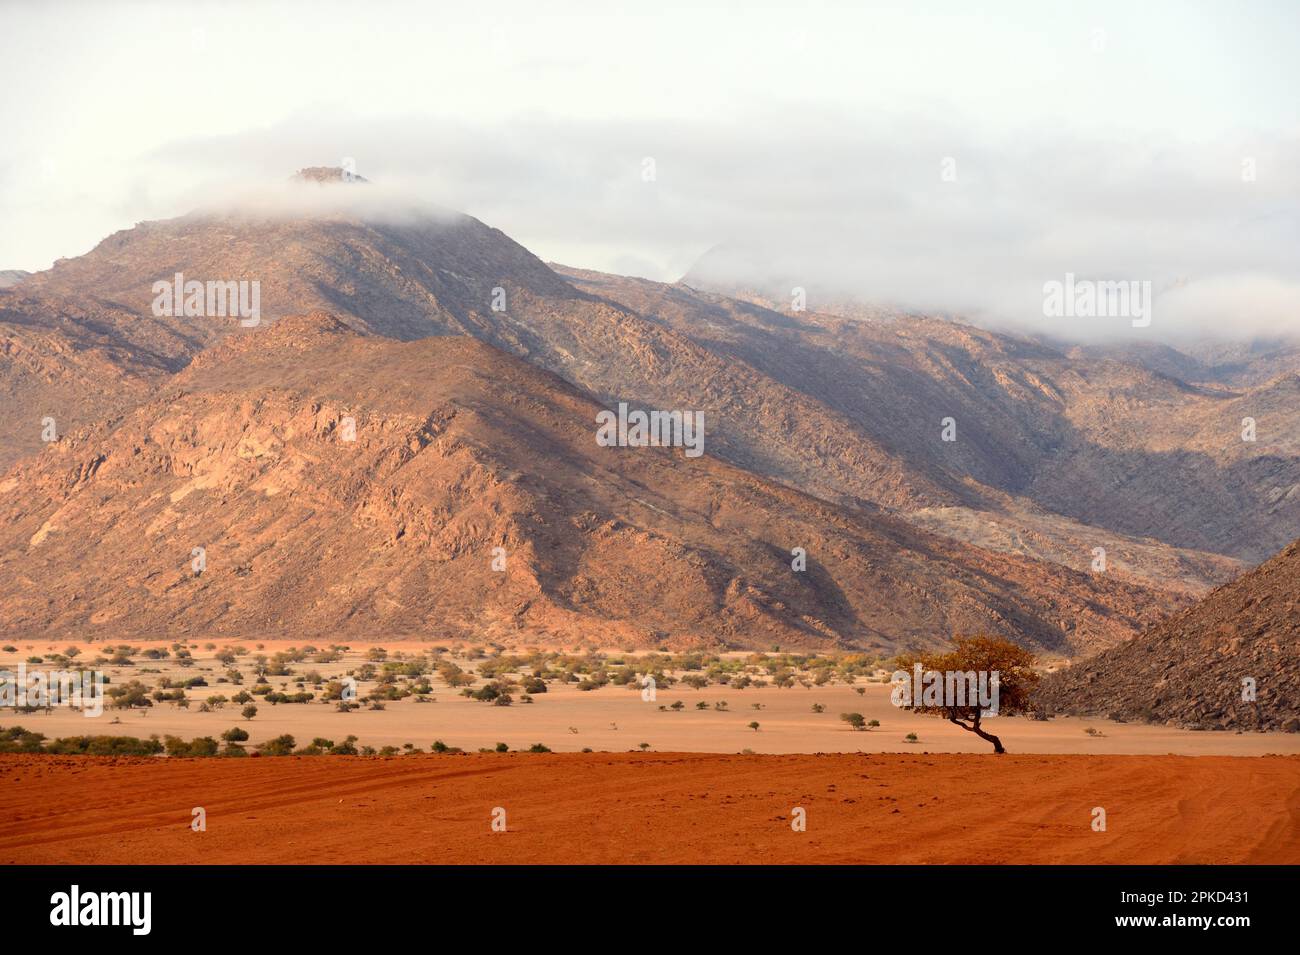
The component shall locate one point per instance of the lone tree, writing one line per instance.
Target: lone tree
(969, 658)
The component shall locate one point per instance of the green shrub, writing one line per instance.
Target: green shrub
(104, 746)
(280, 746)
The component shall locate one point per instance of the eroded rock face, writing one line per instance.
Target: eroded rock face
(1192, 669)
(439, 274)
(825, 427)
(847, 409)
(459, 450)
(57, 380)
(1045, 439)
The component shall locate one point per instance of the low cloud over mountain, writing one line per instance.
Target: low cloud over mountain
(918, 213)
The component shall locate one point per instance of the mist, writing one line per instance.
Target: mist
(937, 159)
(294, 199)
(911, 214)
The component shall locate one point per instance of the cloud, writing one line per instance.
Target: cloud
(919, 212)
(291, 199)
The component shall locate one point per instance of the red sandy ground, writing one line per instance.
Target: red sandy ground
(652, 808)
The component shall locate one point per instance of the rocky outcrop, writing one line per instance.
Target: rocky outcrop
(1230, 662)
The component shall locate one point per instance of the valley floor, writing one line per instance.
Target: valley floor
(652, 808)
(616, 719)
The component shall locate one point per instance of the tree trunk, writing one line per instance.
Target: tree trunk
(997, 743)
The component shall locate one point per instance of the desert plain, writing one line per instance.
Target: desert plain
(638, 808)
(633, 780)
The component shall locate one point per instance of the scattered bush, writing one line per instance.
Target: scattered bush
(280, 746)
(855, 720)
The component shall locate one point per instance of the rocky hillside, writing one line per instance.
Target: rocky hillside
(459, 450)
(1129, 456)
(428, 272)
(838, 419)
(57, 377)
(1189, 671)
(1109, 454)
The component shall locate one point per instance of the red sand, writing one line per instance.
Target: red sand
(652, 808)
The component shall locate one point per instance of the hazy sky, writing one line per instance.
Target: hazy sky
(1106, 139)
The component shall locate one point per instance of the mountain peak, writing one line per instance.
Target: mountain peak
(326, 175)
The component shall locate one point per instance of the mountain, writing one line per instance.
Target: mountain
(61, 374)
(10, 277)
(1189, 670)
(460, 449)
(1221, 363)
(414, 274)
(1078, 453)
(1056, 455)
(327, 175)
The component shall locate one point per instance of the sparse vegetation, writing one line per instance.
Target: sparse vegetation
(216, 680)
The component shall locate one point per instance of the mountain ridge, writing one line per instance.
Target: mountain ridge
(1057, 457)
(241, 455)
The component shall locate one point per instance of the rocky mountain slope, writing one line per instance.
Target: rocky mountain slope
(429, 272)
(61, 374)
(461, 449)
(1055, 455)
(851, 411)
(1190, 670)
(1115, 449)
(1226, 364)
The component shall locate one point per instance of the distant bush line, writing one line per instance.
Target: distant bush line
(16, 739)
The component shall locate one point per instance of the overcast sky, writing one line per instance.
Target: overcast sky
(1107, 140)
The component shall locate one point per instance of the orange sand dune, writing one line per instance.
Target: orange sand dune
(652, 808)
